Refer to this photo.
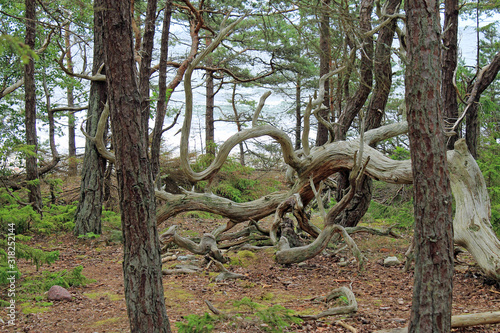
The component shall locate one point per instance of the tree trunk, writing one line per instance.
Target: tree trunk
(142, 261)
(356, 102)
(358, 206)
(450, 56)
(146, 54)
(472, 229)
(72, 163)
(472, 128)
(163, 93)
(432, 291)
(298, 115)
(324, 68)
(89, 210)
(238, 124)
(209, 113)
(34, 195)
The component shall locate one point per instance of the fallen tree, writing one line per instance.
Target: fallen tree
(309, 167)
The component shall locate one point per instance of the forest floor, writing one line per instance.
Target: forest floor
(383, 293)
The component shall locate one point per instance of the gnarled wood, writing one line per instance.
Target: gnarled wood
(207, 245)
(351, 307)
(472, 228)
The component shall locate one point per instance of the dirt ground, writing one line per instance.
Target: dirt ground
(383, 293)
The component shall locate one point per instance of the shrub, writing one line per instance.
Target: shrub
(196, 324)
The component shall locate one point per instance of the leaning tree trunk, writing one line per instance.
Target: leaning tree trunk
(141, 247)
(89, 211)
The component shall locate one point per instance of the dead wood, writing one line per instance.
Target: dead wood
(472, 319)
(225, 274)
(351, 307)
(207, 245)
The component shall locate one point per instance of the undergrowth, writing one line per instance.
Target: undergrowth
(273, 319)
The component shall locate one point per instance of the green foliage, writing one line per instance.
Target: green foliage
(21, 217)
(89, 235)
(15, 45)
(63, 278)
(400, 214)
(232, 182)
(246, 301)
(57, 218)
(277, 318)
(399, 153)
(196, 324)
(22, 251)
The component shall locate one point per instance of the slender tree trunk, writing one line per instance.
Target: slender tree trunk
(432, 291)
(34, 195)
(356, 102)
(324, 68)
(358, 206)
(238, 124)
(89, 210)
(72, 171)
(161, 107)
(209, 114)
(142, 261)
(298, 115)
(145, 63)
(450, 56)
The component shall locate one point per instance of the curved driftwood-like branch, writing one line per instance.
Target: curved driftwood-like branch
(208, 202)
(287, 255)
(98, 139)
(472, 228)
(207, 245)
(186, 127)
(351, 307)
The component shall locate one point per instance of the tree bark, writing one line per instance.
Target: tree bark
(89, 210)
(450, 60)
(146, 54)
(34, 195)
(209, 114)
(142, 261)
(432, 291)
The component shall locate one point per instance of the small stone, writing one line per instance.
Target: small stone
(391, 261)
(58, 293)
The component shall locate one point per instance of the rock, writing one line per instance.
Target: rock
(58, 293)
(391, 261)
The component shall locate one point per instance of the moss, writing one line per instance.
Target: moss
(40, 307)
(243, 258)
(112, 297)
(176, 296)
